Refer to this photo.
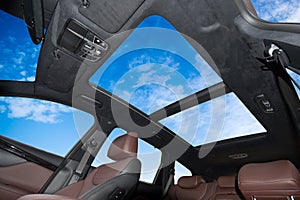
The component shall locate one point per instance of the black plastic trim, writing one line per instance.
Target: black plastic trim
(25, 155)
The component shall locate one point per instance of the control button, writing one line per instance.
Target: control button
(103, 45)
(88, 47)
(100, 42)
(97, 41)
(117, 194)
(264, 103)
(97, 52)
(89, 57)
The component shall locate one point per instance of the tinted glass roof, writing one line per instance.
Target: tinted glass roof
(222, 118)
(150, 71)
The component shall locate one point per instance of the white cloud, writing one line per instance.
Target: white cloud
(151, 77)
(22, 79)
(279, 10)
(2, 108)
(216, 120)
(11, 39)
(295, 17)
(23, 73)
(31, 78)
(239, 120)
(137, 61)
(35, 110)
(207, 76)
(19, 59)
(34, 66)
(18, 53)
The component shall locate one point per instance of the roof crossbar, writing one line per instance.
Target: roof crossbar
(192, 100)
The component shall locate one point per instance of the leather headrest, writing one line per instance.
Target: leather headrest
(190, 182)
(226, 181)
(123, 147)
(279, 178)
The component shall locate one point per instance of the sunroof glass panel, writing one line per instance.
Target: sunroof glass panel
(220, 119)
(154, 67)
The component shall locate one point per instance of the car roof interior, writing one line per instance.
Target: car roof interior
(233, 36)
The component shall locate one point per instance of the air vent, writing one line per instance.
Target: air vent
(238, 156)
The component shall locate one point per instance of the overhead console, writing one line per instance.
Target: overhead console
(82, 42)
(79, 31)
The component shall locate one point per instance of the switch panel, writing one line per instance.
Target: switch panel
(264, 103)
(81, 41)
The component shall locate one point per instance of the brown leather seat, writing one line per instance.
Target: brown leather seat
(272, 180)
(188, 188)
(117, 178)
(226, 188)
(46, 197)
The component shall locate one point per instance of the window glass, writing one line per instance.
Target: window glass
(278, 10)
(296, 78)
(149, 156)
(155, 66)
(42, 124)
(219, 119)
(18, 54)
(180, 171)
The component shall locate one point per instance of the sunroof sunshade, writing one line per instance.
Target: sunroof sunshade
(154, 67)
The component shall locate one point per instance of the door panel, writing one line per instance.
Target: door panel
(10, 193)
(23, 169)
(19, 179)
(7, 159)
(27, 176)
(29, 153)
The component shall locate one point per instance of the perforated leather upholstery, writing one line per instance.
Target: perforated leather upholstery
(188, 188)
(272, 180)
(122, 174)
(226, 188)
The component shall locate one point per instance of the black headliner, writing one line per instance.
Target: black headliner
(234, 47)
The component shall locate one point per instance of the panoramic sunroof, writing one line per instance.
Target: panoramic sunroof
(18, 54)
(155, 66)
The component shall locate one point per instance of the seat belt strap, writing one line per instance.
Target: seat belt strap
(91, 149)
(78, 172)
(278, 61)
(169, 182)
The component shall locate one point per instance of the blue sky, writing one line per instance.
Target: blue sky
(278, 10)
(18, 54)
(154, 72)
